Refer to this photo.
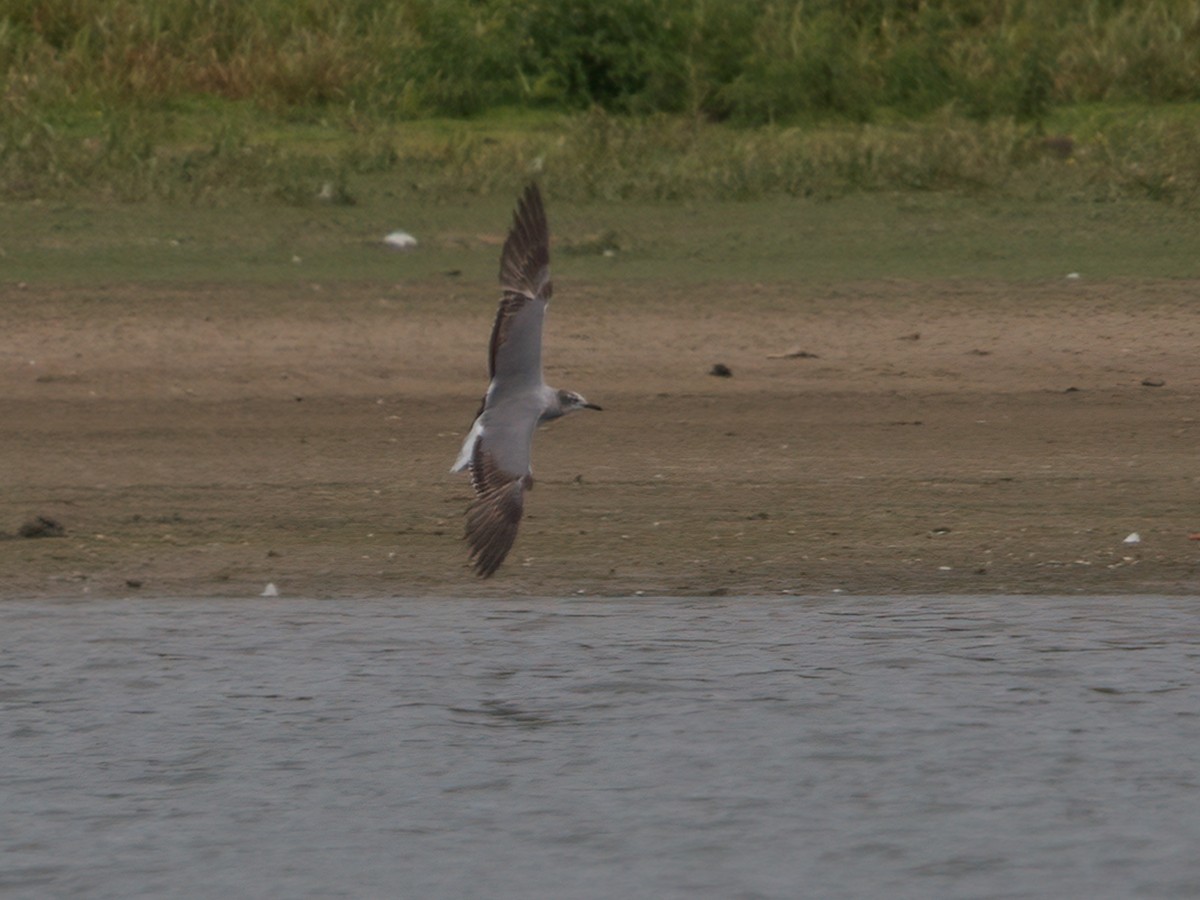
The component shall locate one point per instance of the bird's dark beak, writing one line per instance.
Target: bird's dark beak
(593, 406)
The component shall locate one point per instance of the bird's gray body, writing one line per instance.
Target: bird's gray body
(498, 448)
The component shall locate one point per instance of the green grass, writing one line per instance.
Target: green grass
(767, 61)
(860, 236)
(193, 102)
(222, 153)
(187, 140)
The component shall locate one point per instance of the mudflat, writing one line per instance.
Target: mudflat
(942, 436)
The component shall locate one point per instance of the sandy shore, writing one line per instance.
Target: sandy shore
(874, 437)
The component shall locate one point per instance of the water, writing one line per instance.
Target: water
(731, 748)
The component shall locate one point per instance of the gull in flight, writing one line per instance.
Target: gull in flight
(498, 448)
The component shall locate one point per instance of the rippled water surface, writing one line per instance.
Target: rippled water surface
(740, 747)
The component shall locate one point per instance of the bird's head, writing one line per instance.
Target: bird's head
(569, 401)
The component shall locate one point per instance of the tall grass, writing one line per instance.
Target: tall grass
(766, 60)
(600, 156)
(200, 99)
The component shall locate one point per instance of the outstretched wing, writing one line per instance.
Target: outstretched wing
(503, 435)
(515, 352)
(495, 513)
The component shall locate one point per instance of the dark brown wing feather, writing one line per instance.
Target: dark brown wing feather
(494, 514)
(524, 266)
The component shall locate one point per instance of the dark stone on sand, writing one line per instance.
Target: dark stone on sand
(41, 527)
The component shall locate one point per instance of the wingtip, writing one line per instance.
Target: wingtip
(532, 192)
(525, 257)
(483, 572)
(485, 562)
(530, 209)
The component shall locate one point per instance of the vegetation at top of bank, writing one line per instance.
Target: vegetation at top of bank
(190, 99)
(754, 62)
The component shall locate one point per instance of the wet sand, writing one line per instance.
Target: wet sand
(881, 437)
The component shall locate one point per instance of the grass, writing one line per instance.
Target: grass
(222, 153)
(859, 236)
(271, 140)
(191, 102)
(768, 61)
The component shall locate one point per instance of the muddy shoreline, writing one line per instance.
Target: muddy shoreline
(874, 438)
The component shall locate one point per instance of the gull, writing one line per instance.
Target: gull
(498, 449)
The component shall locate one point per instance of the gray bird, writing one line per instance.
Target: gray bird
(498, 449)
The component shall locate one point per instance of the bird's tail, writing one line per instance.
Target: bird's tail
(468, 447)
